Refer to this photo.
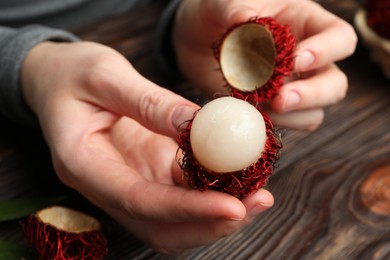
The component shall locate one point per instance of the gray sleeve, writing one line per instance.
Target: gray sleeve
(165, 53)
(14, 45)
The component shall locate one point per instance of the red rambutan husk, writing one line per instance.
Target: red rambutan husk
(239, 183)
(378, 16)
(284, 63)
(53, 243)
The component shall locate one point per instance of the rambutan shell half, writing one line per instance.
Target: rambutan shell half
(255, 56)
(63, 233)
(248, 56)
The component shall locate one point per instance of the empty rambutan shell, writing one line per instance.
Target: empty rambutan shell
(63, 233)
(254, 58)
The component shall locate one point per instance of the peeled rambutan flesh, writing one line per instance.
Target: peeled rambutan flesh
(229, 146)
(227, 135)
(63, 233)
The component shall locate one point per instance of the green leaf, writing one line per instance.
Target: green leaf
(11, 251)
(20, 208)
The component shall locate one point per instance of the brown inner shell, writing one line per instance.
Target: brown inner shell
(68, 220)
(248, 57)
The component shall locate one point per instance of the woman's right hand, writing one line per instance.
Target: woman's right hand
(111, 136)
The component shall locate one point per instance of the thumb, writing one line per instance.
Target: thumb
(125, 92)
(236, 12)
(157, 108)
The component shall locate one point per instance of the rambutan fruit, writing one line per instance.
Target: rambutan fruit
(228, 148)
(63, 233)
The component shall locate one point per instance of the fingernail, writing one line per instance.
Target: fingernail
(231, 219)
(292, 100)
(182, 115)
(304, 60)
(258, 208)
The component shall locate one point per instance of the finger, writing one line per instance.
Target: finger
(324, 40)
(127, 93)
(168, 237)
(326, 87)
(141, 199)
(304, 120)
(235, 12)
(176, 204)
(171, 238)
(226, 13)
(258, 203)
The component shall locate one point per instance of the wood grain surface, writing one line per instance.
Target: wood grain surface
(331, 187)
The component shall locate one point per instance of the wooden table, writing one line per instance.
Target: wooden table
(332, 186)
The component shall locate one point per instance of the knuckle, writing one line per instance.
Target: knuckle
(62, 174)
(342, 88)
(316, 121)
(150, 104)
(97, 75)
(62, 154)
(131, 203)
(225, 230)
(350, 36)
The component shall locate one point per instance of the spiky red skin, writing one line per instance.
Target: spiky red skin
(378, 16)
(55, 244)
(240, 183)
(285, 44)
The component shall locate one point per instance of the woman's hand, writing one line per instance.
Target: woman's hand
(111, 135)
(323, 39)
